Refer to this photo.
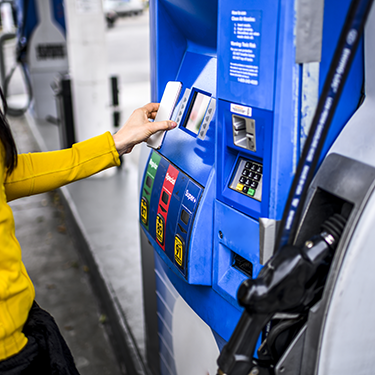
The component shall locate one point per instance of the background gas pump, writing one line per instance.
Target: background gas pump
(42, 50)
(212, 196)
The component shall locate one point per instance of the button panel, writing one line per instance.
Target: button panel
(247, 178)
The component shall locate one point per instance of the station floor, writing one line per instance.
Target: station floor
(81, 243)
(81, 248)
(59, 273)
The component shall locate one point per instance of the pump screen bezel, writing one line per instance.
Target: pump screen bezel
(195, 93)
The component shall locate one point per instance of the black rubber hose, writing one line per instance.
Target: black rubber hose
(19, 111)
(332, 89)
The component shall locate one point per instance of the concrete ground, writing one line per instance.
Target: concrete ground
(60, 277)
(93, 243)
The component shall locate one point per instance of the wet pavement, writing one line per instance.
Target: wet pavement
(84, 238)
(60, 277)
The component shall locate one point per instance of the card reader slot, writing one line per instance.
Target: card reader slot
(146, 191)
(162, 208)
(182, 229)
(244, 132)
(243, 265)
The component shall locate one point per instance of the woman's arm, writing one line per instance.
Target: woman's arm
(40, 172)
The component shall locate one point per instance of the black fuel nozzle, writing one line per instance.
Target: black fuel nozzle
(290, 282)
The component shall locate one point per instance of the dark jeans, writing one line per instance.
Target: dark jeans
(46, 352)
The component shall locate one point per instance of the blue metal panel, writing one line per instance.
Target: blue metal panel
(182, 25)
(196, 71)
(286, 116)
(58, 13)
(28, 9)
(201, 18)
(228, 153)
(242, 53)
(235, 233)
(247, 59)
(220, 315)
(195, 265)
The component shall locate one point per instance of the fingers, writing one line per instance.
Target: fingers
(162, 125)
(151, 109)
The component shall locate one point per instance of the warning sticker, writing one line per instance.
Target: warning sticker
(144, 211)
(179, 250)
(160, 229)
(245, 46)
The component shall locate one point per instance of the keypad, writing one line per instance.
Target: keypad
(247, 178)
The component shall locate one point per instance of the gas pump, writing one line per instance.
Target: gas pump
(42, 50)
(315, 281)
(213, 194)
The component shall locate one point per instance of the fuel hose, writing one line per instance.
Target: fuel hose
(18, 111)
(21, 50)
(340, 66)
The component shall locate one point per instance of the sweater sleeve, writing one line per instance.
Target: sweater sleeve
(44, 171)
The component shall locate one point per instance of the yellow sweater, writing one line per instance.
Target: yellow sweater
(36, 173)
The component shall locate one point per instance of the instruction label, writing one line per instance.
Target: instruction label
(245, 46)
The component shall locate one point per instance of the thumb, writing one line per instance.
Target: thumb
(162, 125)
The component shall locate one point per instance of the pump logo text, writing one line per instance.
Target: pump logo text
(170, 179)
(190, 197)
(153, 164)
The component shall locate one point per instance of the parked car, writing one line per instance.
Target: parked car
(123, 7)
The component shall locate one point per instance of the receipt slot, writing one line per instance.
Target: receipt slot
(213, 193)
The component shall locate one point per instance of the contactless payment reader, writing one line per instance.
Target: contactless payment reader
(214, 189)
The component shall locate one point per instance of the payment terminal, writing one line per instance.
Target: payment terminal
(214, 191)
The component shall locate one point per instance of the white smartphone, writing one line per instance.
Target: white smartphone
(165, 111)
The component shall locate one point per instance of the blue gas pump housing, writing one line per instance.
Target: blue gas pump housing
(241, 125)
(27, 17)
(42, 50)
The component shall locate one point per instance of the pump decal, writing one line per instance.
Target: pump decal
(189, 203)
(50, 51)
(160, 229)
(144, 211)
(245, 40)
(148, 184)
(179, 250)
(164, 201)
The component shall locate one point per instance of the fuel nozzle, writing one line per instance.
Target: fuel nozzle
(290, 282)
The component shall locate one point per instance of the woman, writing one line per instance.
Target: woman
(30, 342)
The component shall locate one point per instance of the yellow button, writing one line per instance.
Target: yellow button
(144, 211)
(178, 250)
(160, 229)
(239, 187)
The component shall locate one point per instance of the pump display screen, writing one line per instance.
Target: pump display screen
(197, 110)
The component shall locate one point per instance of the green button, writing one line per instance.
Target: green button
(251, 192)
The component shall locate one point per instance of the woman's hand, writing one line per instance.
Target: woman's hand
(138, 128)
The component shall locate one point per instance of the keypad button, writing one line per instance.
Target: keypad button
(245, 172)
(248, 165)
(239, 187)
(254, 167)
(251, 174)
(257, 177)
(243, 179)
(251, 192)
(254, 184)
(259, 169)
(245, 189)
(248, 182)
